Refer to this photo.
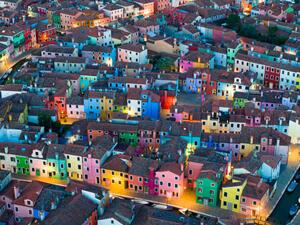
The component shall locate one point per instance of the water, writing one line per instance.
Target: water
(280, 215)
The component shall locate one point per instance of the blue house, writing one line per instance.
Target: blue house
(151, 105)
(92, 105)
(109, 55)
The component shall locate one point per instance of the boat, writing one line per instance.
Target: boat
(292, 186)
(163, 207)
(183, 211)
(142, 202)
(294, 209)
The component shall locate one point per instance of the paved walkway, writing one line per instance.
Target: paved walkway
(41, 179)
(187, 201)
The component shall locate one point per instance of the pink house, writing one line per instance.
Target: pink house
(255, 196)
(91, 166)
(195, 165)
(170, 179)
(26, 199)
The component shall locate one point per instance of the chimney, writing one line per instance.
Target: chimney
(16, 192)
(251, 139)
(6, 149)
(277, 142)
(53, 205)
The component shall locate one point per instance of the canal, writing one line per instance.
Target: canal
(280, 215)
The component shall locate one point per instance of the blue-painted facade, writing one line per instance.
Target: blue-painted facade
(151, 109)
(92, 108)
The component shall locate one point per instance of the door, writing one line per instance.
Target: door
(205, 202)
(37, 172)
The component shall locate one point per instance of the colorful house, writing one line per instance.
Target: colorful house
(26, 199)
(208, 187)
(87, 77)
(73, 154)
(93, 159)
(141, 176)
(23, 160)
(92, 105)
(232, 50)
(114, 173)
(170, 178)
(56, 161)
(231, 193)
(255, 197)
(196, 60)
(38, 162)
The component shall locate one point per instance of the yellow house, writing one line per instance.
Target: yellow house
(231, 192)
(106, 105)
(74, 155)
(114, 173)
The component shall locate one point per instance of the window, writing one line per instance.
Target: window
(225, 194)
(243, 200)
(237, 197)
(254, 202)
(235, 206)
(224, 203)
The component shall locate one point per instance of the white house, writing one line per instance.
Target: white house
(244, 63)
(270, 168)
(52, 51)
(69, 64)
(288, 76)
(133, 53)
(75, 108)
(134, 102)
(114, 12)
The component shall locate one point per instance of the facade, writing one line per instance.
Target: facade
(170, 178)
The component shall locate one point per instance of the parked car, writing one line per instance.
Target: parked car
(292, 186)
(294, 209)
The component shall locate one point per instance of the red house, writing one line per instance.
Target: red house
(167, 99)
(141, 176)
(272, 76)
(45, 34)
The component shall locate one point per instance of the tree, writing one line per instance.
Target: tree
(234, 22)
(46, 121)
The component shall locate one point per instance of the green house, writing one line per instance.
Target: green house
(56, 161)
(22, 164)
(56, 20)
(208, 187)
(128, 137)
(232, 50)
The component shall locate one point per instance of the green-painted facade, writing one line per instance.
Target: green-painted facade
(128, 138)
(231, 53)
(207, 190)
(239, 103)
(56, 20)
(22, 165)
(57, 168)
